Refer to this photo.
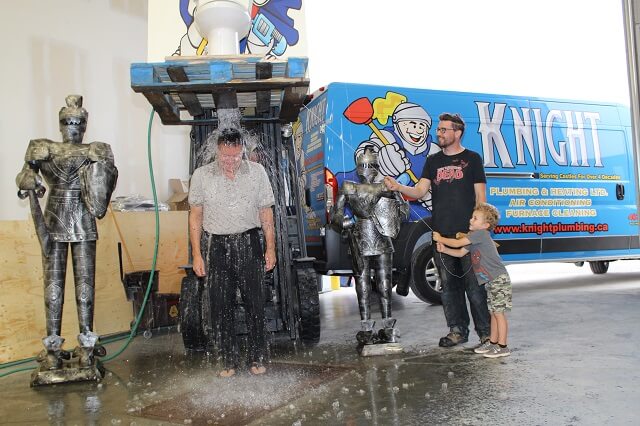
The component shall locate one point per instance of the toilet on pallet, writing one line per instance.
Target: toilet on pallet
(223, 23)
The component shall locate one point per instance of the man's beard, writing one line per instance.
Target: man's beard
(444, 143)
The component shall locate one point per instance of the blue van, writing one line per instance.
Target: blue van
(562, 173)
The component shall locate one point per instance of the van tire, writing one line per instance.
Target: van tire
(599, 266)
(425, 279)
(191, 325)
(309, 306)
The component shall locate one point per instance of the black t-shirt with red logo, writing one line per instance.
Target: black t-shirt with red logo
(452, 189)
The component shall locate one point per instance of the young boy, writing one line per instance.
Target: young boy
(489, 271)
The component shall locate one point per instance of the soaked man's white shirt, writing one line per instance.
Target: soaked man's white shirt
(231, 206)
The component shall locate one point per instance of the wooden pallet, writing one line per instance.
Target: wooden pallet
(182, 88)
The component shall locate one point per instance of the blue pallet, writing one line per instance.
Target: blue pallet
(200, 83)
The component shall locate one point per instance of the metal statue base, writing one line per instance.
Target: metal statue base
(69, 373)
(380, 349)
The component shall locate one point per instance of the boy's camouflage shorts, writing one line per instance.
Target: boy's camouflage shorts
(499, 294)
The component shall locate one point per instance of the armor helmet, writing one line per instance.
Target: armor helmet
(367, 165)
(411, 111)
(73, 117)
(73, 113)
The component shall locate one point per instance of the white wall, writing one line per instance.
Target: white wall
(55, 48)
(553, 48)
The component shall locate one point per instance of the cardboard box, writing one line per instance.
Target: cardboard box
(179, 200)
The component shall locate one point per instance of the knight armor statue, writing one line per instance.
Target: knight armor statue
(377, 215)
(81, 178)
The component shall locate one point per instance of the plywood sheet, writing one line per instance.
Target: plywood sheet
(22, 319)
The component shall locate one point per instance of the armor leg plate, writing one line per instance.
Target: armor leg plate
(383, 275)
(54, 270)
(84, 268)
(363, 290)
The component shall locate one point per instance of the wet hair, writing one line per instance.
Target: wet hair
(490, 213)
(229, 136)
(458, 122)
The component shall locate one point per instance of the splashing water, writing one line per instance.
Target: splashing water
(228, 118)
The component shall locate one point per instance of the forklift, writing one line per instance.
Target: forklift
(269, 95)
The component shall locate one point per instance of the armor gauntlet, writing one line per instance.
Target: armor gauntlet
(28, 179)
(338, 219)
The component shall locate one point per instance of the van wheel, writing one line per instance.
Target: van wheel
(191, 325)
(309, 306)
(599, 266)
(425, 281)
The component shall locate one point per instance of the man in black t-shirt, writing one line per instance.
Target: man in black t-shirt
(457, 181)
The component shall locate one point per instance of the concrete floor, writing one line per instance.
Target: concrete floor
(576, 361)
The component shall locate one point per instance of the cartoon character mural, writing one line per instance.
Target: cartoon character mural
(402, 146)
(272, 29)
(191, 41)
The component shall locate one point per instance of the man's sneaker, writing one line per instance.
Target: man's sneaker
(496, 352)
(452, 339)
(484, 347)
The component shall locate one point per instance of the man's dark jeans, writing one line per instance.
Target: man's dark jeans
(458, 278)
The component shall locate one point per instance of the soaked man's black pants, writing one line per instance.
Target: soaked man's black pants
(236, 262)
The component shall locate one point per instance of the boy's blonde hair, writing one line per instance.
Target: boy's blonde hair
(491, 214)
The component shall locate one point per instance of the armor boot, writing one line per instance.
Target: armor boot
(388, 334)
(49, 360)
(51, 357)
(87, 349)
(366, 335)
(86, 356)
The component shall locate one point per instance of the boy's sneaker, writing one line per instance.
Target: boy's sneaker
(484, 347)
(496, 352)
(452, 339)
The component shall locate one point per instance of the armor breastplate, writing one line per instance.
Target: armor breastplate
(370, 241)
(66, 216)
(363, 198)
(62, 172)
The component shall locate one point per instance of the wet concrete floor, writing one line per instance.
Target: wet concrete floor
(575, 361)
